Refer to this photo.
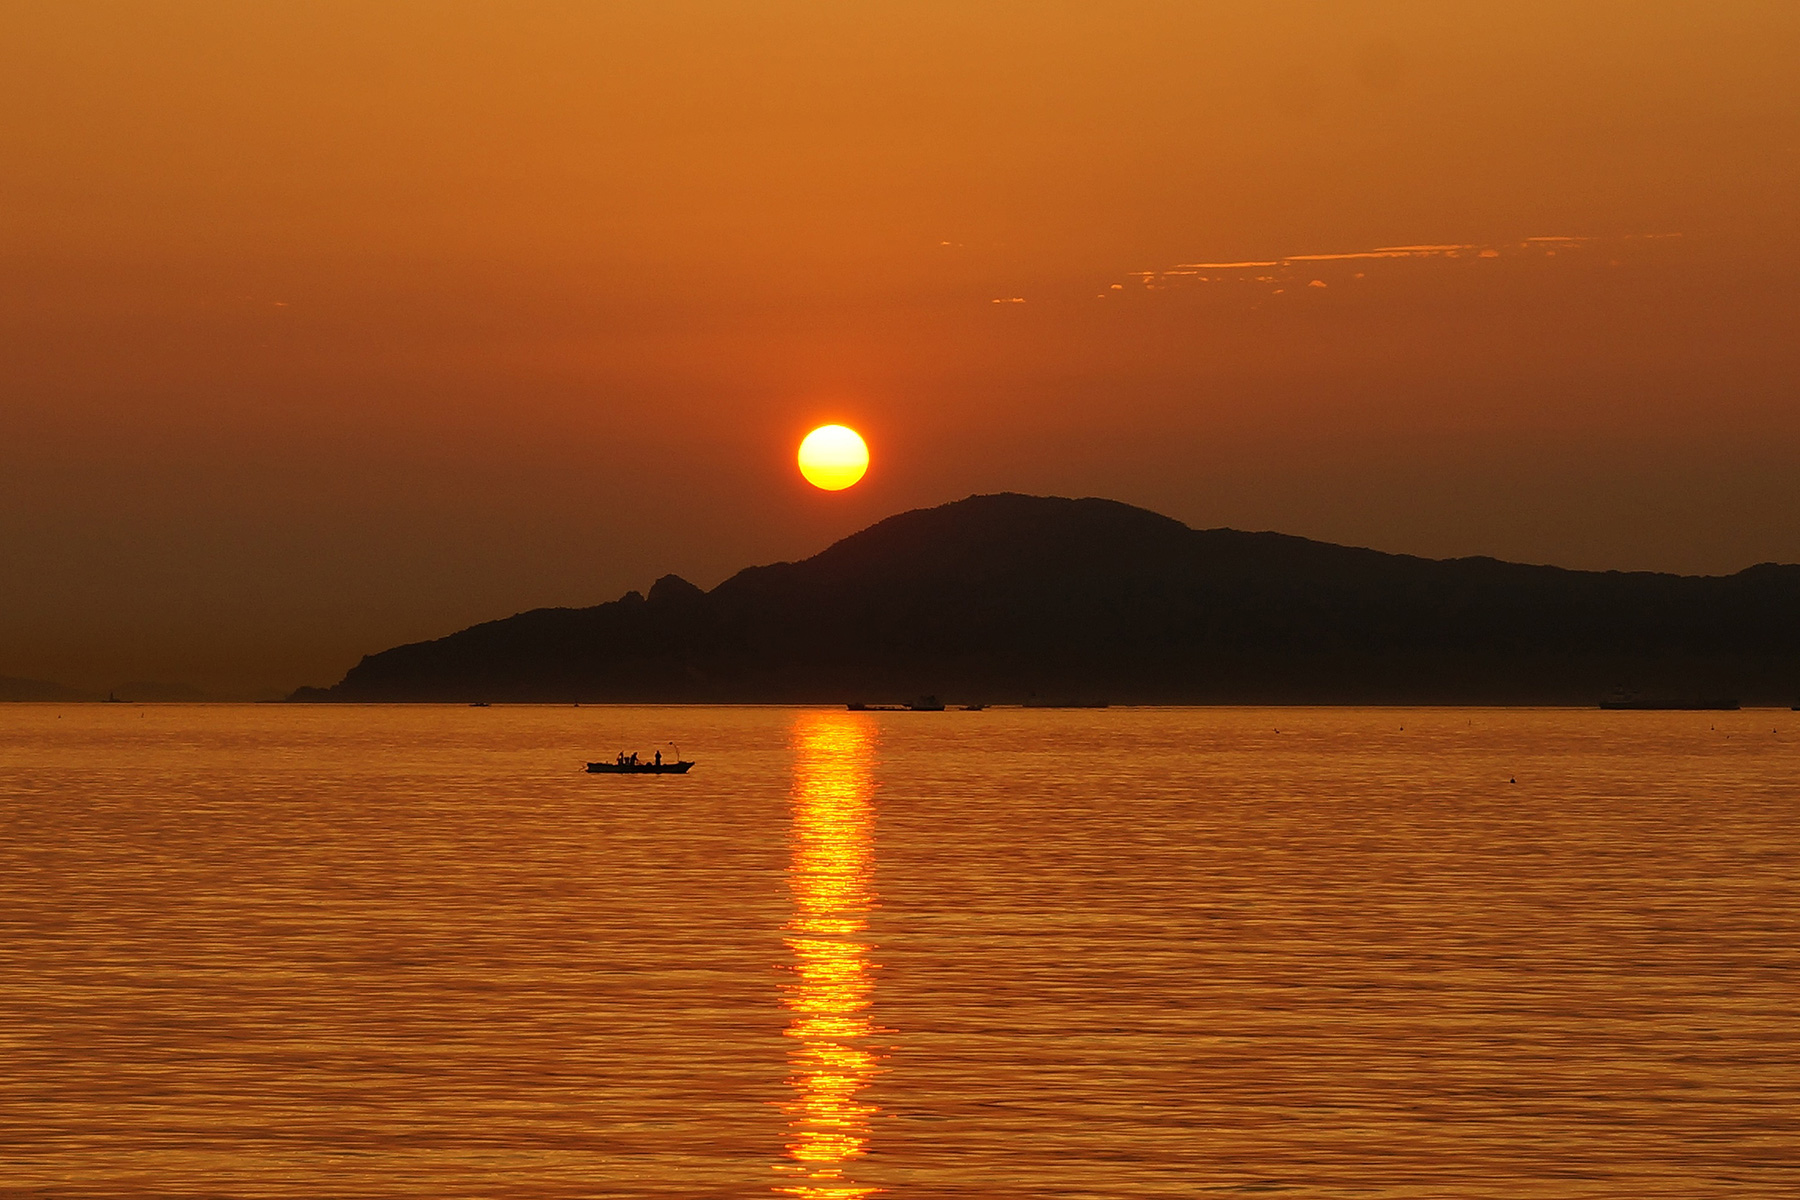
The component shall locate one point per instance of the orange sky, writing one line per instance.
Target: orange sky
(327, 326)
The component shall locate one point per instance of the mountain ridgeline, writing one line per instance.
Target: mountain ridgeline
(1011, 598)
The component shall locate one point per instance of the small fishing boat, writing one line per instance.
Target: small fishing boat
(639, 768)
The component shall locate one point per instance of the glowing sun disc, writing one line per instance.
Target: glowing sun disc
(833, 457)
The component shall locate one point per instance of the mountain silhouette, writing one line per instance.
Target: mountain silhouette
(1011, 598)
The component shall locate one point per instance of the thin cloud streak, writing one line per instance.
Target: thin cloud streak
(1282, 271)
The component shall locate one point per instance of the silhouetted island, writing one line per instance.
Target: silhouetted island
(1028, 599)
(38, 691)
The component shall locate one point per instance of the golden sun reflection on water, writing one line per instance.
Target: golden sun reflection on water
(828, 997)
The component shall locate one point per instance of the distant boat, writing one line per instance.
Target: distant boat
(479, 704)
(639, 768)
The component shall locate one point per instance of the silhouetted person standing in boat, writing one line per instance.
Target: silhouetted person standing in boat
(659, 758)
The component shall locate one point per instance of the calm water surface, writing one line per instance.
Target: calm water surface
(266, 951)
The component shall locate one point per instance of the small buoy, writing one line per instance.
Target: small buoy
(1514, 779)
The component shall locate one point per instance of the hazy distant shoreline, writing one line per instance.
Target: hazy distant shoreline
(801, 705)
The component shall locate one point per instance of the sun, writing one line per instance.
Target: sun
(833, 457)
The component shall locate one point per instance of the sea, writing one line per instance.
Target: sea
(323, 951)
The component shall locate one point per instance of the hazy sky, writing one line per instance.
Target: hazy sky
(329, 326)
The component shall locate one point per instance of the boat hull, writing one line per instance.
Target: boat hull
(606, 768)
